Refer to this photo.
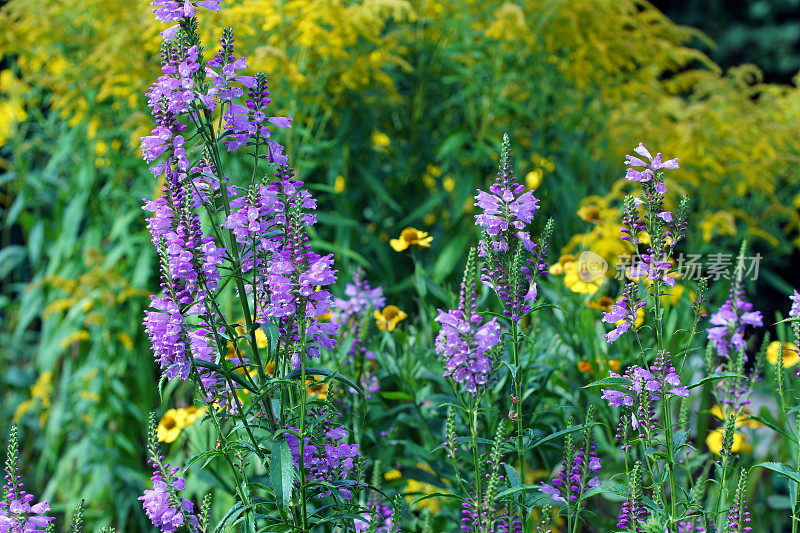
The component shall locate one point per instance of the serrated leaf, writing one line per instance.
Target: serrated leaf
(281, 472)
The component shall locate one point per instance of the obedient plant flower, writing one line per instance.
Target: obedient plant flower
(664, 228)
(249, 123)
(227, 65)
(361, 298)
(645, 388)
(465, 341)
(794, 312)
(490, 519)
(297, 276)
(326, 456)
(577, 473)
(379, 518)
(624, 312)
(507, 209)
(649, 169)
(730, 322)
(633, 514)
(17, 515)
(164, 506)
(174, 10)
(692, 526)
(512, 261)
(738, 516)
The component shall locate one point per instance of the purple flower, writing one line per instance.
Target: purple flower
(692, 526)
(326, 455)
(465, 341)
(491, 518)
(795, 311)
(17, 515)
(645, 388)
(577, 473)
(174, 10)
(378, 518)
(623, 313)
(653, 165)
(361, 298)
(227, 65)
(244, 122)
(507, 209)
(730, 322)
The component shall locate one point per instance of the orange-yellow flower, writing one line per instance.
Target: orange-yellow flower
(409, 237)
(603, 303)
(742, 419)
(387, 319)
(714, 442)
(790, 356)
(317, 390)
(170, 426)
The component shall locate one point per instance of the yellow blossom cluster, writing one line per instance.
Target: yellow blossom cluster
(83, 54)
(175, 420)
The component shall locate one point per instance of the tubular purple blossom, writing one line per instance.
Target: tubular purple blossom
(623, 313)
(327, 457)
(730, 322)
(17, 515)
(465, 342)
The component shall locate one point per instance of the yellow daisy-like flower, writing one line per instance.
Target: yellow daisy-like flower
(387, 319)
(534, 178)
(584, 366)
(603, 303)
(714, 442)
(317, 390)
(392, 475)
(558, 268)
(409, 237)
(581, 281)
(420, 488)
(380, 141)
(790, 353)
(192, 414)
(338, 185)
(170, 425)
(743, 419)
(672, 295)
(590, 213)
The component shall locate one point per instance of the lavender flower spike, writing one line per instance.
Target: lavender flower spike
(507, 210)
(465, 341)
(623, 313)
(17, 515)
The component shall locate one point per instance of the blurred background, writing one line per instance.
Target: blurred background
(399, 108)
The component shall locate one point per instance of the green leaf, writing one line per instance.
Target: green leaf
(558, 434)
(514, 490)
(714, 377)
(780, 468)
(608, 381)
(281, 472)
(433, 495)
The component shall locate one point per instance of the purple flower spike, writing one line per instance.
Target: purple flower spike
(17, 514)
(465, 341)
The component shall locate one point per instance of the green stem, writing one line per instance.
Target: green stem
(473, 430)
(518, 393)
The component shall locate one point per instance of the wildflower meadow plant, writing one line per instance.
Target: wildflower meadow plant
(508, 406)
(212, 232)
